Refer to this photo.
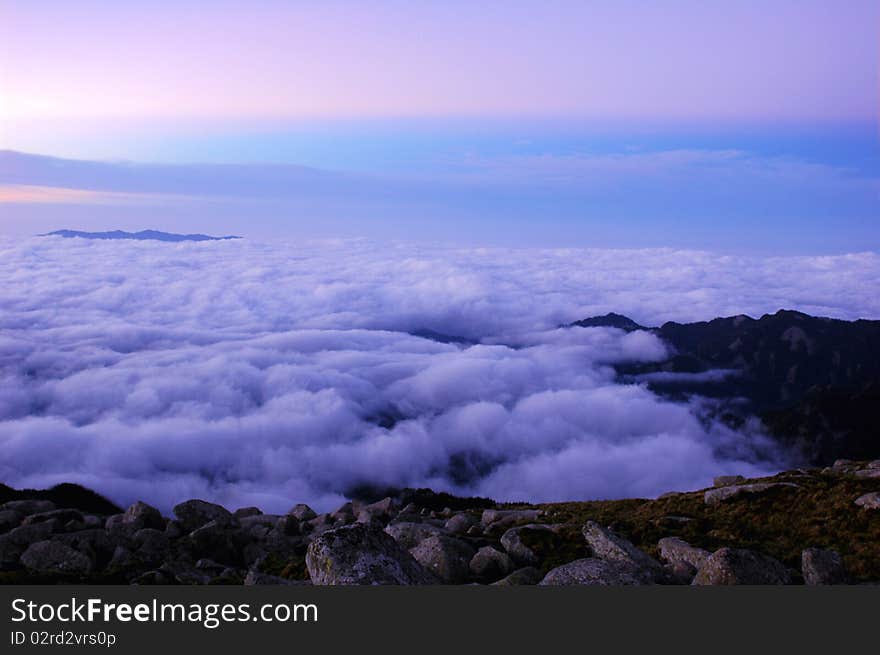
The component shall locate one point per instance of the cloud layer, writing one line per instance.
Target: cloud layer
(274, 373)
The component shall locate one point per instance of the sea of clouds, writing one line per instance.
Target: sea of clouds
(269, 373)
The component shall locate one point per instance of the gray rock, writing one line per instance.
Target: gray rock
(345, 514)
(183, 572)
(258, 526)
(409, 535)
(254, 577)
(528, 575)
(869, 473)
(497, 521)
(382, 510)
(92, 522)
(869, 501)
(151, 545)
(215, 540)
(459, 523)
(210, 566)
(140, 516)
(153, 578)
(721, 494)
(96, 544)
(490, 564)
(607, 545)
(121, 559)
(725, 480)
(16, 541)
(492, 515)
(518, 551)
(737, 566)
(288, 525)
(822, 567)
(62, 516)
(10, 553)
(302, 512)
(55, 557)
(174, 529)
(243, 512)
(593, 571)
(445, 557)
(28, 534)
(318, 525)
(674, 550)
(114, 523)
(10, 519)
(193, 514)
(362, 555)
(27, 507)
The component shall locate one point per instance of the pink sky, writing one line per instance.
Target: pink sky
(783, 60)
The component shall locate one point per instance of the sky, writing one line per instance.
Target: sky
(743, 126)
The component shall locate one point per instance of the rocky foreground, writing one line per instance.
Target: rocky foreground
(817, 526)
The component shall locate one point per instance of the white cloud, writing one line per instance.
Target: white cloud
(263, 373)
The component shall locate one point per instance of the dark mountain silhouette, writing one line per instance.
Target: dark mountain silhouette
(814, 381)
(440, 337)
(63, 495)
(143, 235)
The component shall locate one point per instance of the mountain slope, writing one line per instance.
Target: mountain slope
(815, 381)
(143, 235)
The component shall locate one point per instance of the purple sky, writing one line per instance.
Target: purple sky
(744, 125)
(682, 60)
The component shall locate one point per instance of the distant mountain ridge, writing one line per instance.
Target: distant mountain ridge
(143, 235)
(814, 381)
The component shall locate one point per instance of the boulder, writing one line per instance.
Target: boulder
(496, 521)
(459, 523)
(140, 516)
(345, 514)
(215, 540)
(869, 501)
(381, 511)
(28, 534)
(721, 494)
(492, 515)
(288, 525)
(738, 566)
(821, 567)
(447, 558)
(594, 571)
(96, 544)
(518, 551)
(409, 535)
(528, 575)
(193, 514)
(151, 545)
(607, 545)
(28, 507)
(10, 519)
(16, 541)
(869, 473)
(243, 512)
(302, 512)
(362, 554)
(490, 564)
(62, 516)
(675, 552)
(254, 577)
(55, 557)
